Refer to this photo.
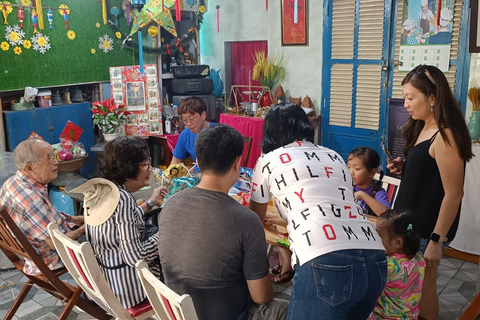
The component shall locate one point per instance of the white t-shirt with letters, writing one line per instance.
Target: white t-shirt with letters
(313, 190)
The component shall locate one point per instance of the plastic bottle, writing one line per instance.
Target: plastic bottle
(173, 63)
(279, 99)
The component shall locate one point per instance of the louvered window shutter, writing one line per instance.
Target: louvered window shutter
(457, 19)
(368, 79)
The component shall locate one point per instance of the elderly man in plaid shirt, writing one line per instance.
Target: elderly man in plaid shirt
(25, 197)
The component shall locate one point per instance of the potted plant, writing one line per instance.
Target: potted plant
(109, 117)
(269, 70)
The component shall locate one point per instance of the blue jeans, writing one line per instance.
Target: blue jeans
(344, 284)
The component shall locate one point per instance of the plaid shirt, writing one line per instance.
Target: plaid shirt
(28, 204)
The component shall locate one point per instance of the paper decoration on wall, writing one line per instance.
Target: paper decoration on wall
(71, 35)
(64, 11)
(116, 12)
(17, 50)
(5, 46)
(126, 7)
(105, 43)
(218, 17)
(27, 44)
(6, 10)
(50, 18)
(38, 5)
(34, 19)
(20, 16)
(153, 31)
(152, 11)
(25, 3)
(41, 43)
(140, 93)
(14, 35)
(104, 11)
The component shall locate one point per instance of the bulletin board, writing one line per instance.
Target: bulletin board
(68, 61)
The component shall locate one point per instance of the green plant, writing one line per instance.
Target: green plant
(269, 70)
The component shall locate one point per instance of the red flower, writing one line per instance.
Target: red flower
(111, 108)
(103, 112)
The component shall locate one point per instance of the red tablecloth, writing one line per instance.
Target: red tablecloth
(171, 140)
(248, 127)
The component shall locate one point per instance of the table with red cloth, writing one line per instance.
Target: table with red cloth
(248, 127)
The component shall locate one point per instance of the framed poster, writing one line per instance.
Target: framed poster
(475, 27)
(294, 23)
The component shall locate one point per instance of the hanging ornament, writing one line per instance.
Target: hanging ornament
(14, 35)
(153, 31)
(50, 18)
(20, 15)
(140, 50)
(105, 43)
(116, 12)
(266, 5)
(178, 11)
(104, 11)
(38, 5)
(34, 19)
(6, 10)
(295, 12)
(126, 9)
(41, 43)
(64, 11)
(218, 17)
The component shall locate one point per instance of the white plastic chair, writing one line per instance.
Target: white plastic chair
(166, 303)
(80, 261)
(390, 185)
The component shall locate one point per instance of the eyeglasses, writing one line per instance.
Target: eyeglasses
(190, 120)
(51, 157)
(422, 69)
(147, 165)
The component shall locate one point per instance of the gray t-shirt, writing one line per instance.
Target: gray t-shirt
(209, 246)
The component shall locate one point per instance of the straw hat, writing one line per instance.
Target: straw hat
(101, 200)
(445, 17)
(409, 24)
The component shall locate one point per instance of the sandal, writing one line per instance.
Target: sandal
(277, 270)
(289, 277)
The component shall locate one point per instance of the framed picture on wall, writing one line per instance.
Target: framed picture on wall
(475, 26)
(294, 23)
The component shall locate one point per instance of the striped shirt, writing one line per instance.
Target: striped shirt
(117, 245)
(27, 202)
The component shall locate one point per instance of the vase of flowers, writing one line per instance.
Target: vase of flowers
(109, 117)
(269, 70)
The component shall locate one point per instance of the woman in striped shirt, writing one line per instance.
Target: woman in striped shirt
(117, 242)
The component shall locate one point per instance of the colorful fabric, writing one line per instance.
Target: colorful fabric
(401, 297)
(380, 195)
(27, 202)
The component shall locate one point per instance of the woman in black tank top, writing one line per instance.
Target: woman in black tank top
(436, 145)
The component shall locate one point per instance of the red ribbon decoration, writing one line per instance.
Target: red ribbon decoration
(168, 49)
(218, 19)
(178, 13)
(163, 6)
(179, 45)
(266, 5)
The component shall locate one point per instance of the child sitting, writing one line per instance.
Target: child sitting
(363, 163)
(405, 267)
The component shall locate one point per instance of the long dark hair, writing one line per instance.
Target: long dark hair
(284, 124)
(431, 81)
(402, 224)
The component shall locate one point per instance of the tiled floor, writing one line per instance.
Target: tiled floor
(456, 288)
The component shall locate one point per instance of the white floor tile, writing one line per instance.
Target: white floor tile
(27, 307)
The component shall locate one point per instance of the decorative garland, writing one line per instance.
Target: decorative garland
(174, 48)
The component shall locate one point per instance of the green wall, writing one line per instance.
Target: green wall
(68, 61)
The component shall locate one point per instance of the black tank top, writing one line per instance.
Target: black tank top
(421, 190)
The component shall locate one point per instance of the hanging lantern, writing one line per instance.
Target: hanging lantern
(153, 31)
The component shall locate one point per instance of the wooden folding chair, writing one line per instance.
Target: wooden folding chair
(473, 309)
(166, 303)
(390, 185)
(83, 266)
(17, 247)
(246, 152)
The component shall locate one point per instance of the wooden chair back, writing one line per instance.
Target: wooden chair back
(246, 151)
(82, 264)
(16, 248)
(390, 185)
(167, 304)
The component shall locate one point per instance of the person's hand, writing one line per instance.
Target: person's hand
(268, 222)
(433, 254)
(158, 194)
(359, 195)
(78, 220)
(395, 167)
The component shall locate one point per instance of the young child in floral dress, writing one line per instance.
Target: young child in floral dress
(405, 267)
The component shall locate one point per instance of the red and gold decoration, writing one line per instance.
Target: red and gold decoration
(64, 11)
(6, 10)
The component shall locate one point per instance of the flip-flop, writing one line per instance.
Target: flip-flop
(290, 273)
(277, 270)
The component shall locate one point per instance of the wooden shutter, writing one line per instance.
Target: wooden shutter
(457, 19)
(368, 77)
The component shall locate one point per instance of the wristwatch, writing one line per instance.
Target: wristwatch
(149, 204)
(438, 238)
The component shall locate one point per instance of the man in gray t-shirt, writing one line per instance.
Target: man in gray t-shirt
(213, 248)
